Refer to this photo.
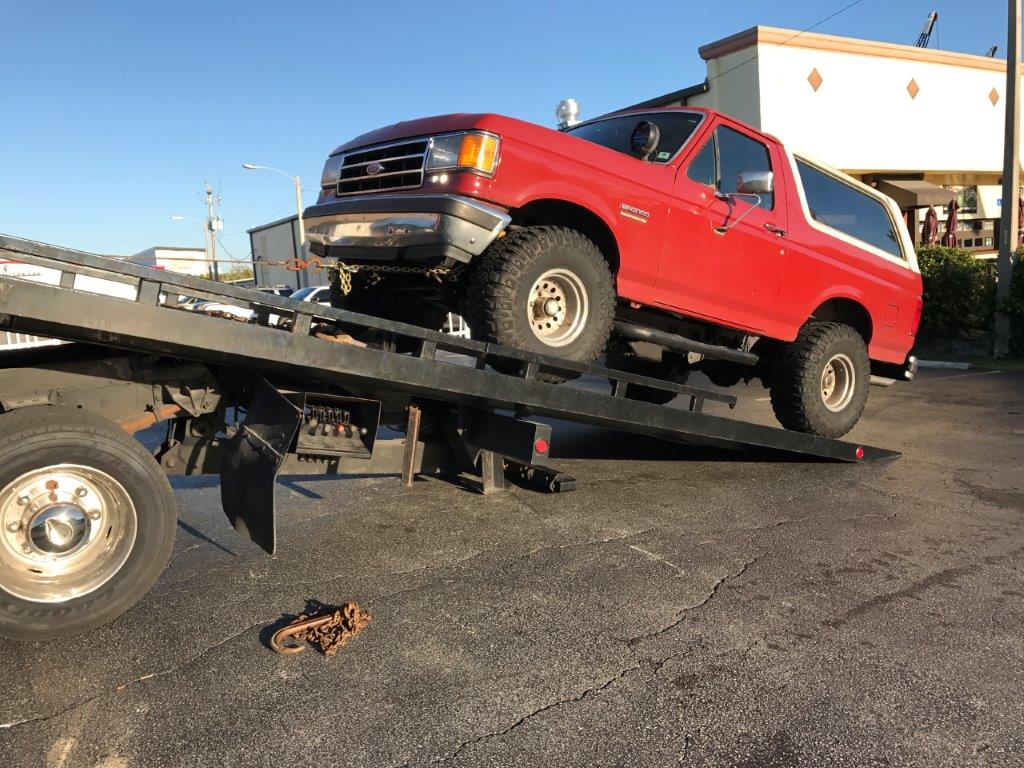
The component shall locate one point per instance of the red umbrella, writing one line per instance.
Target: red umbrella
(931, 227)
(1020, 222)
(949, 236)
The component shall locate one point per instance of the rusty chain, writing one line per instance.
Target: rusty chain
(328, 632)
(345, 271)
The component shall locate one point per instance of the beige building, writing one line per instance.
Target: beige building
(186, 261)
(921, 125)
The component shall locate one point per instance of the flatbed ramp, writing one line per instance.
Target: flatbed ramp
(72, 310)
(291, 391)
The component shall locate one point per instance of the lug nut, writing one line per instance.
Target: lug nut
(14, 527)
(26, 549)
(94, 515)
(23, 500)
(80, 492)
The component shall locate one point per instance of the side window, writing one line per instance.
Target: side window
(703, 168)
(724, 156)
(739, 153)
(838, 205)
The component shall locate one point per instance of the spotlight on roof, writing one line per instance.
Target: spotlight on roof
(567, 113)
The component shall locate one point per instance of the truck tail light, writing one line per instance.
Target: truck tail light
(917, 318)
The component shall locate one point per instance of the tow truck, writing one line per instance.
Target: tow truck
(87, 515)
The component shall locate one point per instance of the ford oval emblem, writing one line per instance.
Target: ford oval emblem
(374, 168)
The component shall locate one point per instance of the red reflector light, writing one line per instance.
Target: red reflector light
(859, 453)
(917, 318)
(541, 446)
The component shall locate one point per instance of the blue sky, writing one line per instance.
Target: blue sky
(113, 112)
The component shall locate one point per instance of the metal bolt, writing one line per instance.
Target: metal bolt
(26, 549)
(23, 500)
(14, 527)
(81, 491)
(94, 515)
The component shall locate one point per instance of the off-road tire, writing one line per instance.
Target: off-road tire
(796, 380)
(42, 436)
(497, 297)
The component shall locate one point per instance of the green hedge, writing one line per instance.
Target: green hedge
(1015, 307)
(959, 293)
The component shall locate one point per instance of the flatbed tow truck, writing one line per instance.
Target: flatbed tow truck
(86, 512)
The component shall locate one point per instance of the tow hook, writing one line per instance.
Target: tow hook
(328, 632)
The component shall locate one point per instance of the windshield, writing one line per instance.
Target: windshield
(614, 133)
(304, 292)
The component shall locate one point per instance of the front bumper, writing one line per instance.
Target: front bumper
(403, 227)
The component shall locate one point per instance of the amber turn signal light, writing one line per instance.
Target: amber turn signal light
(478, 151)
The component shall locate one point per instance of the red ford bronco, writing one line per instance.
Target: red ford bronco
(669, 240)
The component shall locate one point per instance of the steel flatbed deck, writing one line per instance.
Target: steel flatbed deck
(487, 408)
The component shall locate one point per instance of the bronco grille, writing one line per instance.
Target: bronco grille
(384, 167)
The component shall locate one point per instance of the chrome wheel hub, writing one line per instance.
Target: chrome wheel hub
(65, 530)
(557, 307)
(58, 529)
(838, 382)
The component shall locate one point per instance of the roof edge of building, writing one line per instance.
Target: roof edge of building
(659, 101)
(793, 38)
(275, 223)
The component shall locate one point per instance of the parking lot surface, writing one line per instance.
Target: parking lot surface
(685, 607)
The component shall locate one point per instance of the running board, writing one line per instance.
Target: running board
(683, 344)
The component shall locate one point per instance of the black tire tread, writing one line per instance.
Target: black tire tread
(489, 305)
(794, 388)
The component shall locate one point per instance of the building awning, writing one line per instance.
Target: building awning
(914, 193)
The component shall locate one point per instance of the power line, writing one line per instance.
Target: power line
(231, 255)
(815, 25)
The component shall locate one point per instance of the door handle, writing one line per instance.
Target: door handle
(775, 230)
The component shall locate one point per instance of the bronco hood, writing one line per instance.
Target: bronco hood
(423, 126)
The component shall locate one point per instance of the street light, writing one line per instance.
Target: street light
(298, 195)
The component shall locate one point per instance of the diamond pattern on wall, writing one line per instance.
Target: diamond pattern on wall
(815, 79)
(913, 88)
(994, 97)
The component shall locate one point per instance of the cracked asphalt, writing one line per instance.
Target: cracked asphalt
(685, 607)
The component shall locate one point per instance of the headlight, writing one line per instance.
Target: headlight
(471, 151)
(332, 171)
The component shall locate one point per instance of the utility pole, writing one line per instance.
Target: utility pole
(1010, 220)
(213, 225)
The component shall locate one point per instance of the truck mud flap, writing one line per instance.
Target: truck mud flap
(251, 461)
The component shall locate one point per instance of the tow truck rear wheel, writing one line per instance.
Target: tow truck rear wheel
(543, 289)
(87, 522)
(820, 381)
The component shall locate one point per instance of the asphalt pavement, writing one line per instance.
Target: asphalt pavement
(684, 607)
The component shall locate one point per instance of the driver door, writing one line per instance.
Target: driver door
(723, 254)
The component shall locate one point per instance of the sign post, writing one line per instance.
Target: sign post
(1010, 220)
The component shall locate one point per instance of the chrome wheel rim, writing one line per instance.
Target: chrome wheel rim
(838, 382)
(557, 307)
(65, 531)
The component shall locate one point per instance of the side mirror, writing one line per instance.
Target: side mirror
(755, 183)
(644, 139)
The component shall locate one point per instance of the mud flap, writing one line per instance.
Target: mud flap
(251, 461)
